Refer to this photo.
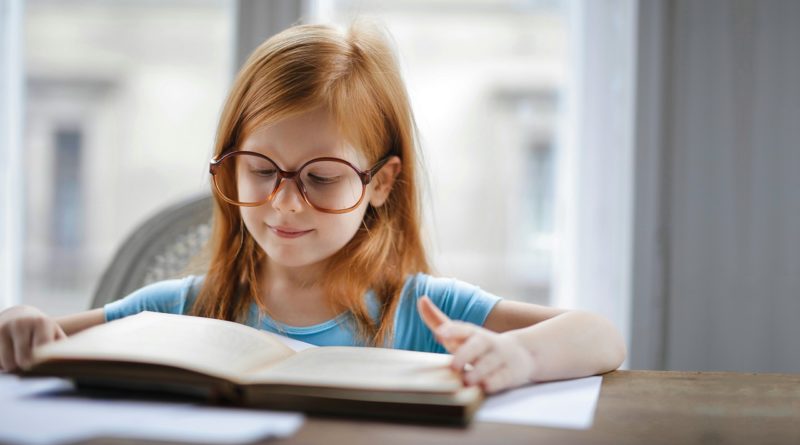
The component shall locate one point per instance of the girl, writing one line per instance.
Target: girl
(316, 230)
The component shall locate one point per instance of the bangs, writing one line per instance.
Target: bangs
(330, 71)
(359, 117)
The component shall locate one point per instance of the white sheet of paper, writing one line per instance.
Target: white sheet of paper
(31, 414)
(565, 404)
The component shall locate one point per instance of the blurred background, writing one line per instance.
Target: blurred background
(635, 158)
(122, 100)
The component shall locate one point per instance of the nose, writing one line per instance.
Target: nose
(287, 197)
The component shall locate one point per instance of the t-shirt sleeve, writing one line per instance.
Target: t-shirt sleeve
(457, 299)
(169, 296)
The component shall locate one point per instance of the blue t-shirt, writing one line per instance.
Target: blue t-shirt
(457, 299)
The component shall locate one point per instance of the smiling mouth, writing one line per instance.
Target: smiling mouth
(285, 232)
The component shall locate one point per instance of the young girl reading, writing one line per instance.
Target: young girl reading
(316, 230)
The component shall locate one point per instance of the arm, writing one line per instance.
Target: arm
(564, 344)
(75, 323)
(22, 328)
(523, 343)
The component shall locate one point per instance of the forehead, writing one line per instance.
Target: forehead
(297, 139)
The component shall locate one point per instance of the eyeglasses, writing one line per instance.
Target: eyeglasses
(330, 185)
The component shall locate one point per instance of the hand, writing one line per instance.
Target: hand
(21, 329)
(498, 361)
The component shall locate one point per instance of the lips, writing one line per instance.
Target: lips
(288, 232)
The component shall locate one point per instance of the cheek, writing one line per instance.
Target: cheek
(252, 217)
(340, 229)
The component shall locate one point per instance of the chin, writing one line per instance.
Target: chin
(290, 257)
(291, 262)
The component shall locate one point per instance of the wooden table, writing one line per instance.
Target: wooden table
(635, 407)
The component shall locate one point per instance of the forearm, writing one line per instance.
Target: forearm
(572, 344)
(75, 323)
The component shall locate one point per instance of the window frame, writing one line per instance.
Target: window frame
(12, 91)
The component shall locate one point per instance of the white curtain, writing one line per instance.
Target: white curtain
(594, 192)
(11, 124)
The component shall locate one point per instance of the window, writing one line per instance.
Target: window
(66, 224)
(484, 78)
(122, 106)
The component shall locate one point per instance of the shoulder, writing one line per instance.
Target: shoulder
(170, 296)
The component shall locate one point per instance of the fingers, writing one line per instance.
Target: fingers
(485, 366)
(499, 380)
(47, 333)
(7, 362)
(480, 352)
(497, 362)
(22, 348)
(18, 338)
(474, 347)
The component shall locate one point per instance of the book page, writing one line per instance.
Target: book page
(215, 347)
(363, 368)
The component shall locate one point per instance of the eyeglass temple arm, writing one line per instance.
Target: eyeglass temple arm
(369, 174)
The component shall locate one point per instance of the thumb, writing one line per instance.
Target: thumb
(434, 318)
(60, 333)
(431, 315)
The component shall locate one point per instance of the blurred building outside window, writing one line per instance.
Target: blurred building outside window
(122, 103)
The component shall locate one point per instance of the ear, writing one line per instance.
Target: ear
(383, 181)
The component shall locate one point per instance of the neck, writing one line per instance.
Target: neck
(286, 285)
(294, 295)
(303, 277)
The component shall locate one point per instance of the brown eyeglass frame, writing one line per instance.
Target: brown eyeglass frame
(365, 175)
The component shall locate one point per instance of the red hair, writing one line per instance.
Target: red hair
(355, 76)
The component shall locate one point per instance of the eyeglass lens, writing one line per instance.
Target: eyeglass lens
(251, 179)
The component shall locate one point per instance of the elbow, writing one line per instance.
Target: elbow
(611, 350)
(616, 351)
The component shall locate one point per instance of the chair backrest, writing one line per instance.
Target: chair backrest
(162, 247)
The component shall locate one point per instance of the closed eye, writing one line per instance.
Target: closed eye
(264, 173)
(323, 180)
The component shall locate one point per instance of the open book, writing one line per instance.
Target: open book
(232, 363)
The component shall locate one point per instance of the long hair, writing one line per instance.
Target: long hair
(355, 75)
